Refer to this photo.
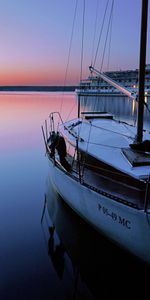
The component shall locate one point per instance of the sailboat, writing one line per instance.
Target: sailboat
(101, 168)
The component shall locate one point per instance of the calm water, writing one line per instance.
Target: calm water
(73, 261)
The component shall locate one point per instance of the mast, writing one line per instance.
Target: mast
(142, 62)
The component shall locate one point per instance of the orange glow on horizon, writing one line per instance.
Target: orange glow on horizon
(37, 77)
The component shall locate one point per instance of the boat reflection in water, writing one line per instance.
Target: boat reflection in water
(90, 264)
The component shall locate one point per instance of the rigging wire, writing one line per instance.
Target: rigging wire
(71, 110)
(100, 35)
(104, 50)
(69, 52)
(82, 40)
(82, 49)
(81, 71)
(147, 107)
(92, 54)
(109, 47)
(81, 62)
(109, 23)
(95, 28)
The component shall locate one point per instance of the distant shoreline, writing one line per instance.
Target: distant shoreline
(37, 88)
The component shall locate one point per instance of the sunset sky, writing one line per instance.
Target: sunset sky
(35, 39)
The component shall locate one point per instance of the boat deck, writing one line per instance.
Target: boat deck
(108, 140)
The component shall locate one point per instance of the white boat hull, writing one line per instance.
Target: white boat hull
(126, 226)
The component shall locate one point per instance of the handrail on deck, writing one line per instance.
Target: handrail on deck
(51, 117)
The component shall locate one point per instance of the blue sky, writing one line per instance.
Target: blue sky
(35, 38)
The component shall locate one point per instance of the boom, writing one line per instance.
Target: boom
(113, 83)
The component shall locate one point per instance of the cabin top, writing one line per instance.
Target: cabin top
(136, 158)
(92, 114)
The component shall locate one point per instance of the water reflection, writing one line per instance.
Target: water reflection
(97, 268)
(56, 253)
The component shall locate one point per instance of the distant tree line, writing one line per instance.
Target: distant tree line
(38, 88)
